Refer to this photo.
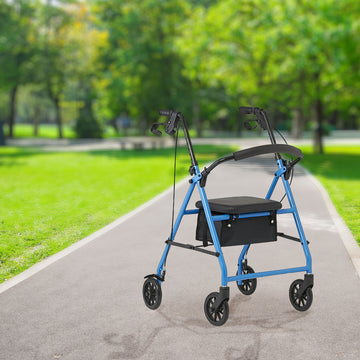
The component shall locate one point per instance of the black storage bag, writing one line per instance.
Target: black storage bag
(238, 231)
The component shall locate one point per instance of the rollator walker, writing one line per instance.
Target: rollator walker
(231, 221)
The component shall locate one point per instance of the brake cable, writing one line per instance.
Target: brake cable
(174, 182)
(292, 169)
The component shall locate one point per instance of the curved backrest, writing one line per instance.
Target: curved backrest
(268, 149)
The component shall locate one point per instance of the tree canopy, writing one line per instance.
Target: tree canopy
(103, 58)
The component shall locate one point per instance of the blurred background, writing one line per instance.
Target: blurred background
(102, 68)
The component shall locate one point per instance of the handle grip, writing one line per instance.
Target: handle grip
(247, 110)
(165, 112)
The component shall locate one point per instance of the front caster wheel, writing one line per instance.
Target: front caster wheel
(248, 286)
(152, 293)
(300, 302)
(217, 316)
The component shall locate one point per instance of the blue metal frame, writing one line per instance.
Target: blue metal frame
(195, 181)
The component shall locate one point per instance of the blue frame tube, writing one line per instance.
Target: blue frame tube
(240, 278)
(292, 210)
(214, 236)
(161, 266)
(210, 220)
(196, 181)
(272, 187)
(298, 225)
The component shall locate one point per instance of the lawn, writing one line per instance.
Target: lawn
(47, 131)
(51, 200)
(339, 171)
(50, 131)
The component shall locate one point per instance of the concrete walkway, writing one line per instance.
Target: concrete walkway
(151, 142)
(88, 304)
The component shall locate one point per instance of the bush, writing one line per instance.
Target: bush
(86, 125)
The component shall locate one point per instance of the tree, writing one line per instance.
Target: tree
(18, 47)
(194, 44)
(84, 70)
(315, 36)
(142, 68)
(56, 53)
(286, 55)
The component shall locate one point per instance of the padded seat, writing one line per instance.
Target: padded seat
(240, 205)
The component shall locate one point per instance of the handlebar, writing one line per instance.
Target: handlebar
(165, 112)
(247, 110)
(268, 149)
(261, 119)
(260, 116)
(170, 126)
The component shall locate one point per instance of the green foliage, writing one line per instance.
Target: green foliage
(144, 72)
(298, 59)
(55, 199)
(18, 42)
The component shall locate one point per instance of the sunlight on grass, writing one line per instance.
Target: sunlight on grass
(51, 200)
(339, 171)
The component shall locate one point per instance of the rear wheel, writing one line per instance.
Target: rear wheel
(248, 286)
(152, 293)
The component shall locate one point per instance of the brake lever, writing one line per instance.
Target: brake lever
(248, 126)
(171, 124)
(154, 128)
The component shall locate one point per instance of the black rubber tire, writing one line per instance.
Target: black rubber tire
(247, 287)
(303, 302)
(152, 293)
(218, 317)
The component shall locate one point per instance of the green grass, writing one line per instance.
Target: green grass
(50, 131)
(45, 131)
(339, 171)
(51, 200)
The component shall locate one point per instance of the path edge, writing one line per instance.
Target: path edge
(8, 284)
(346, 236)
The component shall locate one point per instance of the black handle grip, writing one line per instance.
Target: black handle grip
(165, 112)
(246, 110)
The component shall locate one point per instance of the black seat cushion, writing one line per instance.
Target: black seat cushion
(240, 205)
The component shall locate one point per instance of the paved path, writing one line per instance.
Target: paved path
(88, 304)
(139, 142)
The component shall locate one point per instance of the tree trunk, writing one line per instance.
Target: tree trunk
(2, 135)
(318, 112)
(58, 117)
(36, 120)
(239, 124)
(144, 126)
(318, 133)
(12, 111)
(196, 117)
(298, 123)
